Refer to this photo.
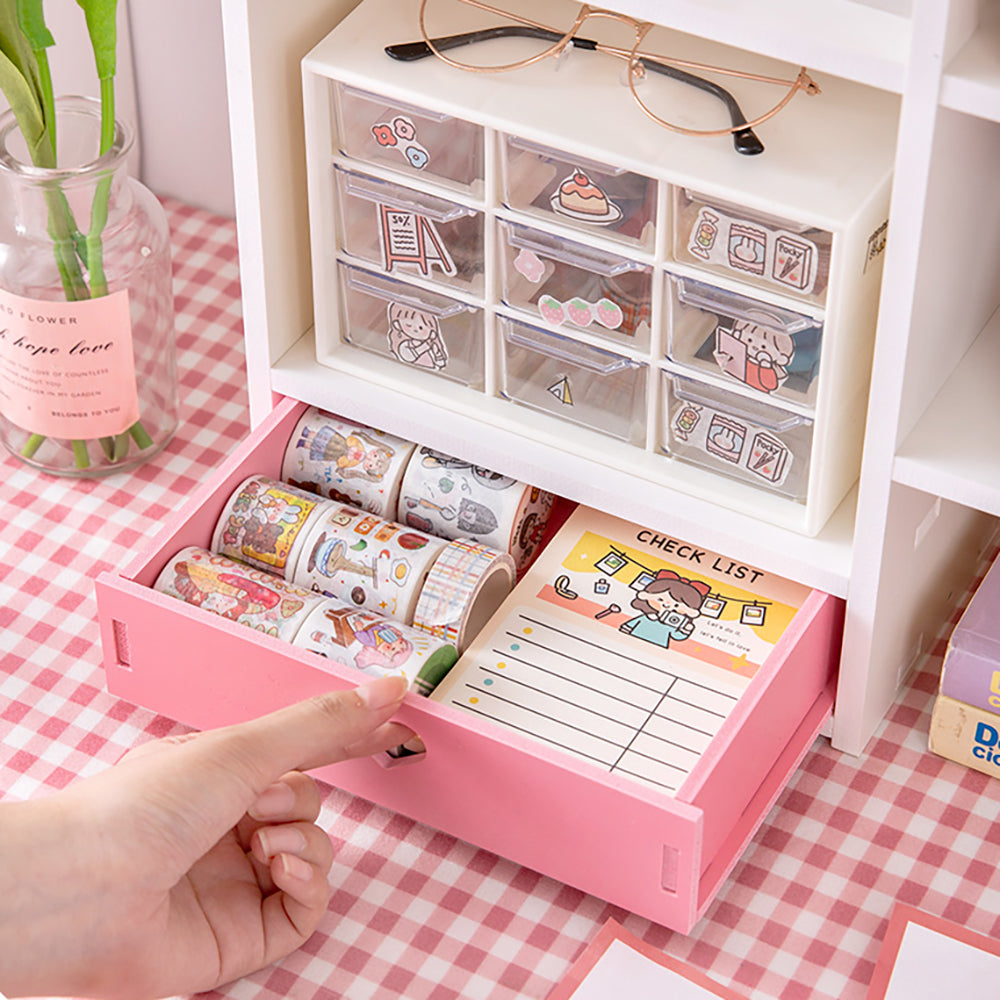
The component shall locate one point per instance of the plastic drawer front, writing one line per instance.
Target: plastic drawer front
(424, 330)
(408, 139)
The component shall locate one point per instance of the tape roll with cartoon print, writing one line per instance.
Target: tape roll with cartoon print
(365, 560)
(346, 461)
(237, 592)
(263, 522)
(453, 499)
(376, 644)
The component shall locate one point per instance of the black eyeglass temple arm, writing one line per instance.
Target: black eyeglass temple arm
(745, 140)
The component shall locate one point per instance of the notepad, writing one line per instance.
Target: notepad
(624, 646)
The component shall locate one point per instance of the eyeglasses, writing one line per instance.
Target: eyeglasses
(640, 66)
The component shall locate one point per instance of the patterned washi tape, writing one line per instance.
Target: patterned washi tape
(238, 592)
(376, 645)
(452, 498)
(466, 584)
(262, 524)
(346, 461)
(366, 560)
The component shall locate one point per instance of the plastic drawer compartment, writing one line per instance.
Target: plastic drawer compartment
(565, 282)
(574, 381)
(771, 351)
(772, 253)
(590, 197)
(756, 443)
(661, 857)
(408, 232)
(423, 330)
(414, 141)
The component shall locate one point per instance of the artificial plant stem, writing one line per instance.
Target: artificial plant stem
(99, 207)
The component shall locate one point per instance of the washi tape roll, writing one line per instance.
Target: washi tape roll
(466, 584)
(376, 645)
(346, 461)
(366, 560)
(454, 499)
(263, 522)
(238, 592)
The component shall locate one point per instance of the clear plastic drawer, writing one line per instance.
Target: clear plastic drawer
(770, 350)
(742, 438)
(750, 246)
(565, 282)
(574, 381)
(422, 330)
(408, 139)
(590, 197)
(404, 231)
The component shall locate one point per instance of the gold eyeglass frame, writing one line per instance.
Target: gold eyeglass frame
(633, 57)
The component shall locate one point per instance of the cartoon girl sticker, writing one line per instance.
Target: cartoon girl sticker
(668, 606)
(769, 352)
(383, 649)
(415, 337)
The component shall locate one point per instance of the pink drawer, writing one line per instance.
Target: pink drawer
(660, 857)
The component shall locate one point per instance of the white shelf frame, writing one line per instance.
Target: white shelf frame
(926, 504)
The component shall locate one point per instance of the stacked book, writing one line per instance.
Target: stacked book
(965, 725)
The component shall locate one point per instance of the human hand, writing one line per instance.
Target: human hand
(192, 862)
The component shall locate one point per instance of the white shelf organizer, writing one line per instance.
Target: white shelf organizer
(906, 537)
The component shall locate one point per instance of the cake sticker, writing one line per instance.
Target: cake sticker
(578, 197)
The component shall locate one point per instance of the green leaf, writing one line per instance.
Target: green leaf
(14, 45)
(27, 108)
(103, 29)
(31, 18)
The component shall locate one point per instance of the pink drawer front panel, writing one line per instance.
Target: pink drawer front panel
(660, 857)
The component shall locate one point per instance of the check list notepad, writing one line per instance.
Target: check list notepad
(624, 646)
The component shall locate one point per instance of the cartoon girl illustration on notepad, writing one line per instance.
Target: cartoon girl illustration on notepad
(667, 606)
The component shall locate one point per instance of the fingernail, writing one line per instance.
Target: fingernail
(296, 868)
(281, 840)
(275, 801)
(382, 692)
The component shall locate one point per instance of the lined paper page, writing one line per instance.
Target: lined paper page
(648, 719)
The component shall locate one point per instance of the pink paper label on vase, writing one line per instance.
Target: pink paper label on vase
(67, 368)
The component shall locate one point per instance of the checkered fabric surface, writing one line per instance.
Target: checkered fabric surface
(415, 913)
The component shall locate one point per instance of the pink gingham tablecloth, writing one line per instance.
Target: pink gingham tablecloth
(415, 913)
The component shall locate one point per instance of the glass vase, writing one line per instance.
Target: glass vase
(88, 377)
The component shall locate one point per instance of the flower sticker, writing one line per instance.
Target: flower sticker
(417, 156)
(401, 134)
(384, 135)
(404, 128)
(528, 263)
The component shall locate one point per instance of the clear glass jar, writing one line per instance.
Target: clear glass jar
(88, 376)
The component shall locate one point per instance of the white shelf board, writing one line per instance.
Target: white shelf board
(823, 562)
(971, 82)
(954, 450)
(848, 38)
